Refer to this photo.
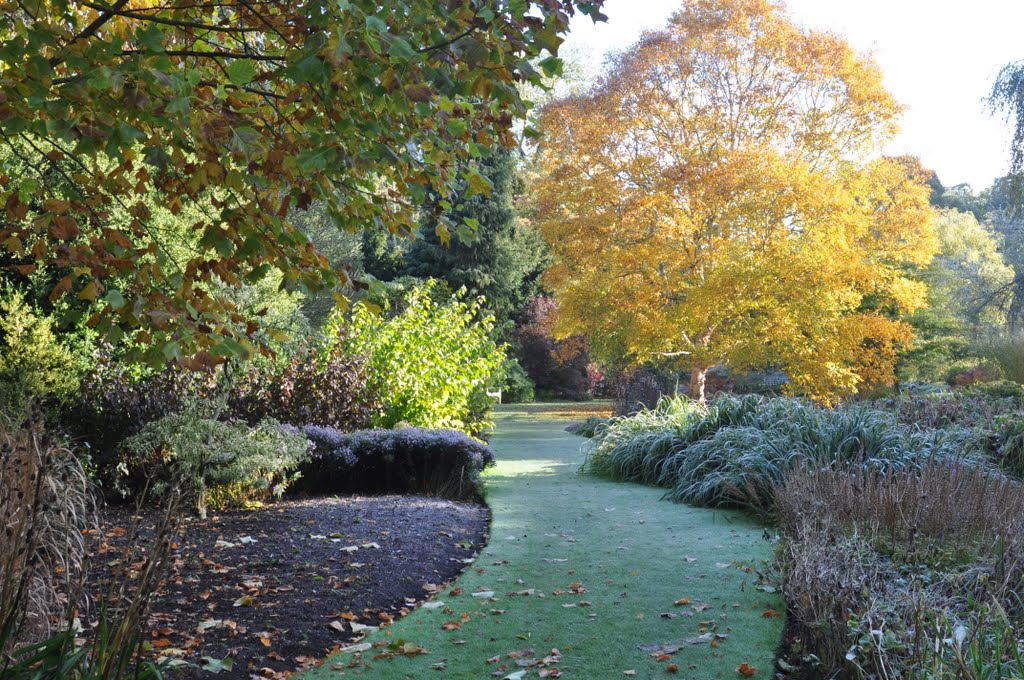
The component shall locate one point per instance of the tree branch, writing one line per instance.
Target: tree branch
(106, 15)
(212, 54)
(131, 14)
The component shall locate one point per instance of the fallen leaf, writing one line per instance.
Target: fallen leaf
(770, 614)
(672, 668)
(359, 628)
(352, 649)
(659, 649)
(746, 670)
(681, 602)
(707, 638)
(451, 625)
(409, 649)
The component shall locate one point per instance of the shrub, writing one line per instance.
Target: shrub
(559, 368)
(407, 460)
(33, 363)
(1005, 350)
(1000, 389)
(199, 455)
(516, 388)
(589, 428)
(116, 402)
(973, 371)
(968, 408)
(431, 362)
(331, 391)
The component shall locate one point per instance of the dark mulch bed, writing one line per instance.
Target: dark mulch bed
(278, 587)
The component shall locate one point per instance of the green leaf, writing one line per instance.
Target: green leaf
(401, 50)
(152, 38)
(376, 24)
(172, 351)
(230, 348)
(114, 299)
(241, 72)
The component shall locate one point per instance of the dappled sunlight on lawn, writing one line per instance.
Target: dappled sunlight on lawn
(522, 467)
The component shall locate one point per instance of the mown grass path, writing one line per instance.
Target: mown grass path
(592, 569)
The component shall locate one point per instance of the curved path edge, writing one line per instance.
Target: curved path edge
(579, 574)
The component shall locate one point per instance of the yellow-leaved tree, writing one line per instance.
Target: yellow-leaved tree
(719, 196)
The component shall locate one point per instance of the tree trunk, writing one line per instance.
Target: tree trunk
(698, 377)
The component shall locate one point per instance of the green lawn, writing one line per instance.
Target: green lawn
(629, 557)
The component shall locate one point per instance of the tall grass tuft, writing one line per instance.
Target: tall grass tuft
(45, 506)
(905, 574)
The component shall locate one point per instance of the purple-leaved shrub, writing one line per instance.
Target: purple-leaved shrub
(407, 460)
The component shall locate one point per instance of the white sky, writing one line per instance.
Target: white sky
(939, 57)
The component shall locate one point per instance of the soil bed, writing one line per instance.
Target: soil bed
(279, 587)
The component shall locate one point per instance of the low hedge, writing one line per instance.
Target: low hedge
(406, 460)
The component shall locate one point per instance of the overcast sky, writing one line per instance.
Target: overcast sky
(939, 57)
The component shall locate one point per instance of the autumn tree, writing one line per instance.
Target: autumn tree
(114, 112)
(718, 197)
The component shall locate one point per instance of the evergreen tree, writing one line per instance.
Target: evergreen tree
(503, 262)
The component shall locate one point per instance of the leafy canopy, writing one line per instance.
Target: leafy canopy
(115, 109)
(718, 197)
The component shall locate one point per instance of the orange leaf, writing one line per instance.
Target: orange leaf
(746, 670)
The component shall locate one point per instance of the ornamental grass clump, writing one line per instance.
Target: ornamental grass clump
(735, 451)
(45, 507)
(912, 573)
(444, 463)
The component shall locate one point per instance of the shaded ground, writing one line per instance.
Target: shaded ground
(585, 578)
(277, 587)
